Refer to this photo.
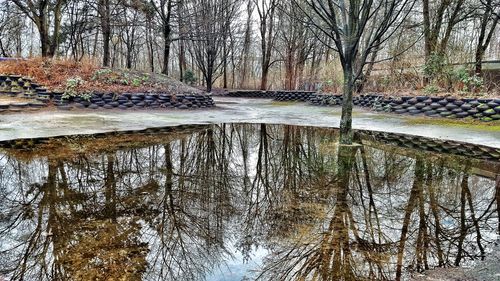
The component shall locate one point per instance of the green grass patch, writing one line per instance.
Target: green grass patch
(283, 103)
(337, 111)
(493, 126)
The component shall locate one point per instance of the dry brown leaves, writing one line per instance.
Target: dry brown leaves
(54, 74)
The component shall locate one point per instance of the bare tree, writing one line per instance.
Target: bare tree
(440, 18)
(294, 44)
(11, 27)
(45, 14)
(104, 11)
(489, 21)
(245, 54)
(209, 25)
(357, 29)
(164, 9)
(266, 11)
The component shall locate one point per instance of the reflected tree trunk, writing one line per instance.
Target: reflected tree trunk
(463, 226)
(410, 206)
(110, 187)
(434, 205)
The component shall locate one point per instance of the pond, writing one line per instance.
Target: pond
(243, 202)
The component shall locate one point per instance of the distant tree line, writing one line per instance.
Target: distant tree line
(251, 43)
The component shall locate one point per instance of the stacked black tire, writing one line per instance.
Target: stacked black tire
(303, 96)
(374, 101)
(22, 87)
(482, 109)
(17, 86)
(137, 101)
(325, 100)
(251, 94)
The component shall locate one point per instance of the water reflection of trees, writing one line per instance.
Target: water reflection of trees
(177, 209)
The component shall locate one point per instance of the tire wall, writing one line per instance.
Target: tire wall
(481, 109)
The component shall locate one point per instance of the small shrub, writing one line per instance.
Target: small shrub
(136, 82)
(189, 77)
(435, 66)
(470, 82)
(431, 89)
(71, 89)
(439, 71)
(100, 73)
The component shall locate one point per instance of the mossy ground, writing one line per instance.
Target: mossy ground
(493, 126)
(284, 103)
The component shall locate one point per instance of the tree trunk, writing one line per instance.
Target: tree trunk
(128, 59)
(182, 50)
(105, 17)
(362, 83)
(41, 24)
(484, 36)
(263, 79)
(246, 48)
(224, 64)
(346, 134)
(478, 65)
(289, 69)
(182, 60)
(427, 30)
(267, 43)
(166, 48)
(210, 70)
(149, 42)
(54, 44)
(44, 41)
(106, 35)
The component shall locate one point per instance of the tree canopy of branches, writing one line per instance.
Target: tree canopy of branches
(46, 15)
(209, 27)
(326, 45)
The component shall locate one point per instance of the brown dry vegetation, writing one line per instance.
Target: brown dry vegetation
(55, 73)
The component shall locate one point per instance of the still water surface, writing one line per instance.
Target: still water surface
(243, 202)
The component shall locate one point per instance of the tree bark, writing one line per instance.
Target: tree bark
(104, 11)
(40, 13)
(485, 36)
(166, 48)
(246, 46)
(346, 134)
(267, 39)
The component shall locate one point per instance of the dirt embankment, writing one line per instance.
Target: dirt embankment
(87, 77)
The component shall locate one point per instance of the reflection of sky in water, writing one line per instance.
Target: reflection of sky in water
(236, 269)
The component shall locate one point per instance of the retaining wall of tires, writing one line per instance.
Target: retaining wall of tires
(294, 95)
(136, 101)
(24, 88)
(487, 109)
(38, 97)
